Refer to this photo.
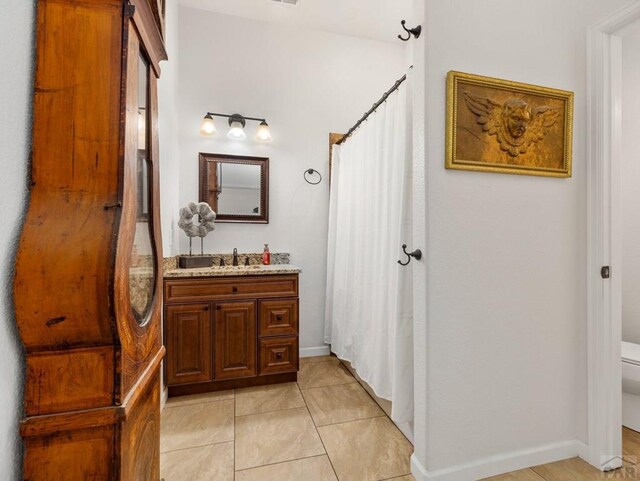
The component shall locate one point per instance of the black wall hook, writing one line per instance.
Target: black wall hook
(416, 31)
(311, 172)
(416, 254)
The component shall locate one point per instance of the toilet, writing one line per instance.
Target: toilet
(630, 354)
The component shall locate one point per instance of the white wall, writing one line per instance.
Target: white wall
(506, 315)
(241, 201)
(306, 83)
(360, 18)
(168, 131)
(417, 54)
(631, 187)
(16, 52)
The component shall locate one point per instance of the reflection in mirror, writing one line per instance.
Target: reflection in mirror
(142, 271)
(235, 187)
(238, 188)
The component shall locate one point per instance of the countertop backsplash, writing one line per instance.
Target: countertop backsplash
(255, 259)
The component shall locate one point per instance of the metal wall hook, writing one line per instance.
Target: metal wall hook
(416, 31)
(311, 172)
(416, 254)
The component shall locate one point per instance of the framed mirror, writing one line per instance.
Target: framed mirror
(236, 187)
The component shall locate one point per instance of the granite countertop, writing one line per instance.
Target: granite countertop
(233, 271)
(279, 267)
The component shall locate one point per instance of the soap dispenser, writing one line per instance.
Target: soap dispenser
(266, 255)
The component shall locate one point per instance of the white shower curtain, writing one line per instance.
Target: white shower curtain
(369, 312)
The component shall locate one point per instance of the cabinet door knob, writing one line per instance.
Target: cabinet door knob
(218, 307)
(279, 318)
(206, 308)
(278, 355)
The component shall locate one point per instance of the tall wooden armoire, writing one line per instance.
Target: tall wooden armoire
(88, 275)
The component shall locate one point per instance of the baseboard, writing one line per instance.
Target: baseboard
(163, 398)
(501, 463)
(315, 351)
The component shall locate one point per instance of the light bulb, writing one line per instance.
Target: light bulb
(208, 126)
(236, 131)
(264, 133)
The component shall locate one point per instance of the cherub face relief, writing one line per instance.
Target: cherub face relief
(516, 115)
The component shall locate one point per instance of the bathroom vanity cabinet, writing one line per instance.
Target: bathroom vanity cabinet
(232, 331)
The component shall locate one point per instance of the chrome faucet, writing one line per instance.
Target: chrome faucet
(235, 256)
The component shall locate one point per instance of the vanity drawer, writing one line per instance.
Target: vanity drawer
(278, 317)
(278, 355)
(186, 290)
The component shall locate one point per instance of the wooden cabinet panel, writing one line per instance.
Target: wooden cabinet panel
(235, 340)
(181, 290)
(278, 317)
(278, 355)
(59, 389)
(189, 343)
(140, 436)
(78, 454)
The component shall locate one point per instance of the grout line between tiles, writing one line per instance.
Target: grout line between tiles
(204, 401)
(335, 385)
(368, 394)
(196, 447)
(268, 412)
(352, 421)
(320, 437)
(355, 381)
(281, 462)
(384, 413)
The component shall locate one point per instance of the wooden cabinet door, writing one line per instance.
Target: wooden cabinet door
(235, 340)
(189, 342)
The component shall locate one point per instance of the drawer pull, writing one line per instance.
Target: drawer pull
(234, 289)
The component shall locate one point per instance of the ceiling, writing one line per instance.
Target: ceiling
(373, 19)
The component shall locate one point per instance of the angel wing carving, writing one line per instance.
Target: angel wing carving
(489, 112)
(516, 126)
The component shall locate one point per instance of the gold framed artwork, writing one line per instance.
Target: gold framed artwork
(508, 127)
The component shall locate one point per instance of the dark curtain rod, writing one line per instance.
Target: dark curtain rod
(395, 87)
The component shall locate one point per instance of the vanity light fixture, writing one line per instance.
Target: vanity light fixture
(264, 133)
(237, 124)
(236, 127)
(208, 126)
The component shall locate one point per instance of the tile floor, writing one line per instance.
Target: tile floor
(576, 469)
(325, 427)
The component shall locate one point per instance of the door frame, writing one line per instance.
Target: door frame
(604, 241)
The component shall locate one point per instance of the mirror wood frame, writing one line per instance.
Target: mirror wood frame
(207, 159)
